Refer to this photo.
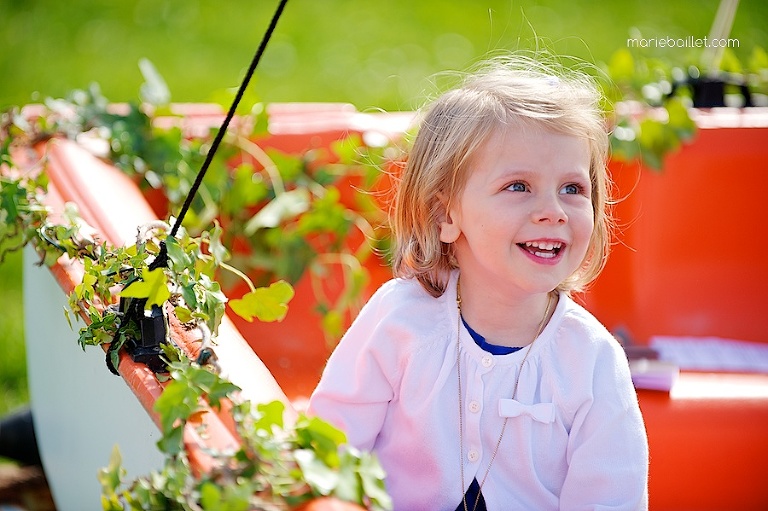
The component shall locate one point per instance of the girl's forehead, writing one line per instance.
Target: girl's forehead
(534, 145)
(517, 127)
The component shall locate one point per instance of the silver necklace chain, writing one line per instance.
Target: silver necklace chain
(461, 399)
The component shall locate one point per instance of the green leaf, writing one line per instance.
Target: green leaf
(215, 245)
(183, 313)
(215, 388)
(189, 296)
(265, 303)
(111, 476)
(153, 287)
(348, 487)
(290, 166)
(653, 142)
(679, 119)
(177, 402)
(333, 324)
(210, 497)
(270, 416)
(292, 254)
(68, 318)
(172, 442)
(261, 119)
(326, 215)
(625, 148)
(246, 190)
(179, 259)
(154, 89)
(322, 437)
(316, 473)
(285, 206)
(372, 475)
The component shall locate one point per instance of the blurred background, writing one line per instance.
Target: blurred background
(375, 55)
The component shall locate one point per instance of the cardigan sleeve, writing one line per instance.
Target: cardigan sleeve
(358, 381)
(607, 447)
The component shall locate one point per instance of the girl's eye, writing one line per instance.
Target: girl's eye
(572, 189)
(517, 187)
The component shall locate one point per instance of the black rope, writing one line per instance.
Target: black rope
(223, 129)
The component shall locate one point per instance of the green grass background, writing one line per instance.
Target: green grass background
(374, 54)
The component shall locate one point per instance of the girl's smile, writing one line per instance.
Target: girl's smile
(543, 251)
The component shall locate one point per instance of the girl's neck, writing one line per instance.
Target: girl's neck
(504, 319)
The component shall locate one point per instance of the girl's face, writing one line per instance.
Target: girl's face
(524, 219)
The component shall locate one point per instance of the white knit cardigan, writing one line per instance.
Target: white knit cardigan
(392, 385)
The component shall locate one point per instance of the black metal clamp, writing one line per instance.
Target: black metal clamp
(150, 327)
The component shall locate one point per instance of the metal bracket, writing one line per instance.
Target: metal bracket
(153, 330)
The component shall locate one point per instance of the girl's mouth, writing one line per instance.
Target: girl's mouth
(543, 249)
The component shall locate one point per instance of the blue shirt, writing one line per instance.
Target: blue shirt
(493, 349)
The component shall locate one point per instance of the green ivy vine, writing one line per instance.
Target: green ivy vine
(284, 211)
(277, 465)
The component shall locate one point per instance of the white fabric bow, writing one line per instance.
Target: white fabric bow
(542, 412)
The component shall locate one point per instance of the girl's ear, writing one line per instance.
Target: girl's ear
(449, 228)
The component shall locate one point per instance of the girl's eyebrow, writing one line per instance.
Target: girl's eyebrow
(527, 173)
(577, 175)
(516, 173)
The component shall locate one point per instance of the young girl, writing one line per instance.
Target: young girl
(474, 376)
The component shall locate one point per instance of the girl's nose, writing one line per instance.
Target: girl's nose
(549, 210)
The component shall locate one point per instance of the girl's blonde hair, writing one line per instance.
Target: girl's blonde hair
(518, 91)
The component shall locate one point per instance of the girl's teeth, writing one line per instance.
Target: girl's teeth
(548, 245)
(543, 249)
